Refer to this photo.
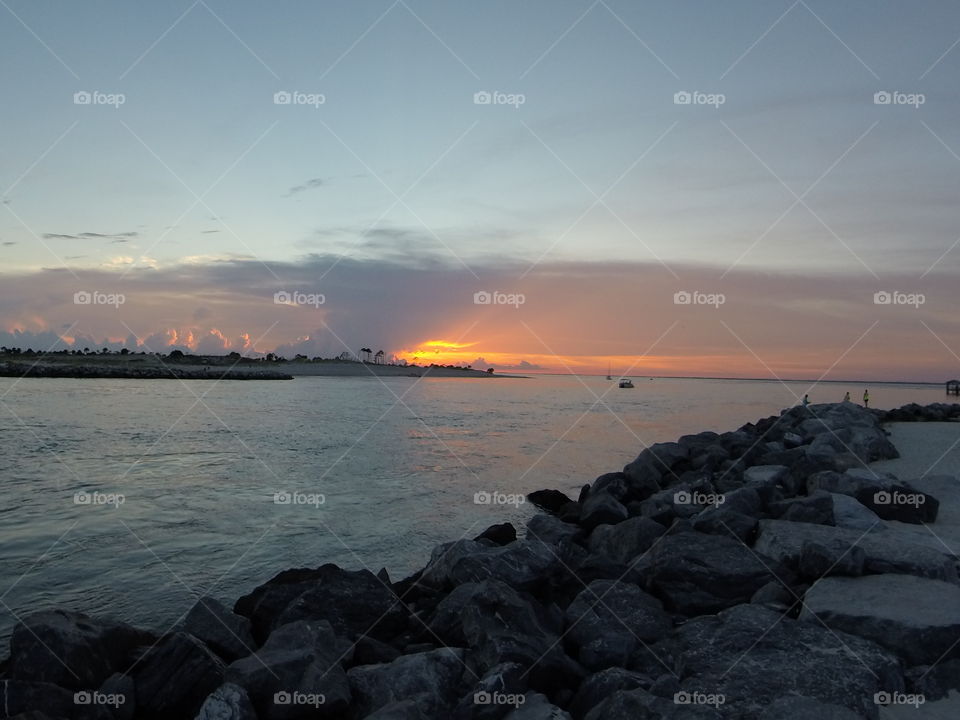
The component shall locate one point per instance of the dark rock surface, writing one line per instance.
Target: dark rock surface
(71, 649)
(175, 676)
(916, 618)
(353, 602)
(227, 634)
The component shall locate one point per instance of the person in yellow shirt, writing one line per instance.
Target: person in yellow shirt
(866, 398)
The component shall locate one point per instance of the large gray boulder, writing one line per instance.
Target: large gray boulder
(800, 707)
(500, 625)
(639, 704)
(438, 572)
(227, 702)
(43, 700)
(549, 529)
(601, 508)
(721, 521)
(850, 513)
(501, 686)
(611, 620)
(227, 634)
(754, 656)
(599, 686)
(536, 707)
(298, 665)
(916, 618)
(814, 508)
(818, 560)
(766, 480)
(353, 602)
(694, 573)
(432, 677)
(72, 650)
(627, 540)
(885, 552)
(175, 676)
(521, 564)
(645, 474)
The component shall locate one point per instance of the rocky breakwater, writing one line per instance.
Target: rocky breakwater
(755, 574)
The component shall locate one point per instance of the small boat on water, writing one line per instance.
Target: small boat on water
(625, 383)
(610, 377)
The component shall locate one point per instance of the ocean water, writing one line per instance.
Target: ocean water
(398, 462)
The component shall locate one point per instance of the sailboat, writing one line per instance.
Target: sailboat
(609, 376)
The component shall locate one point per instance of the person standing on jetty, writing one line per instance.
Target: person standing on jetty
(846, 398)
(806, 400)
(866, 398)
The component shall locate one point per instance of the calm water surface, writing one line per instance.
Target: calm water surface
(397, 460)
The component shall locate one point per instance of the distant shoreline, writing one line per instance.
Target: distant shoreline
(151, 367)
(932, 383)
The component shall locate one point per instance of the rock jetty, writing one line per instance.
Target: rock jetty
(757, 574)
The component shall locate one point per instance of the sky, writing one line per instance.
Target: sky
(745, 189)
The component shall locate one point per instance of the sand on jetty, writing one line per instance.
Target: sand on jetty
(928, 452)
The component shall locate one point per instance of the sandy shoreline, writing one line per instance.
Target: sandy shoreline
(929, 456)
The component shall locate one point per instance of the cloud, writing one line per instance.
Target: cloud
(523, 365)
(121, 237)
(208, 232)
(770, 324)
(310, 184)
(8, 243)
